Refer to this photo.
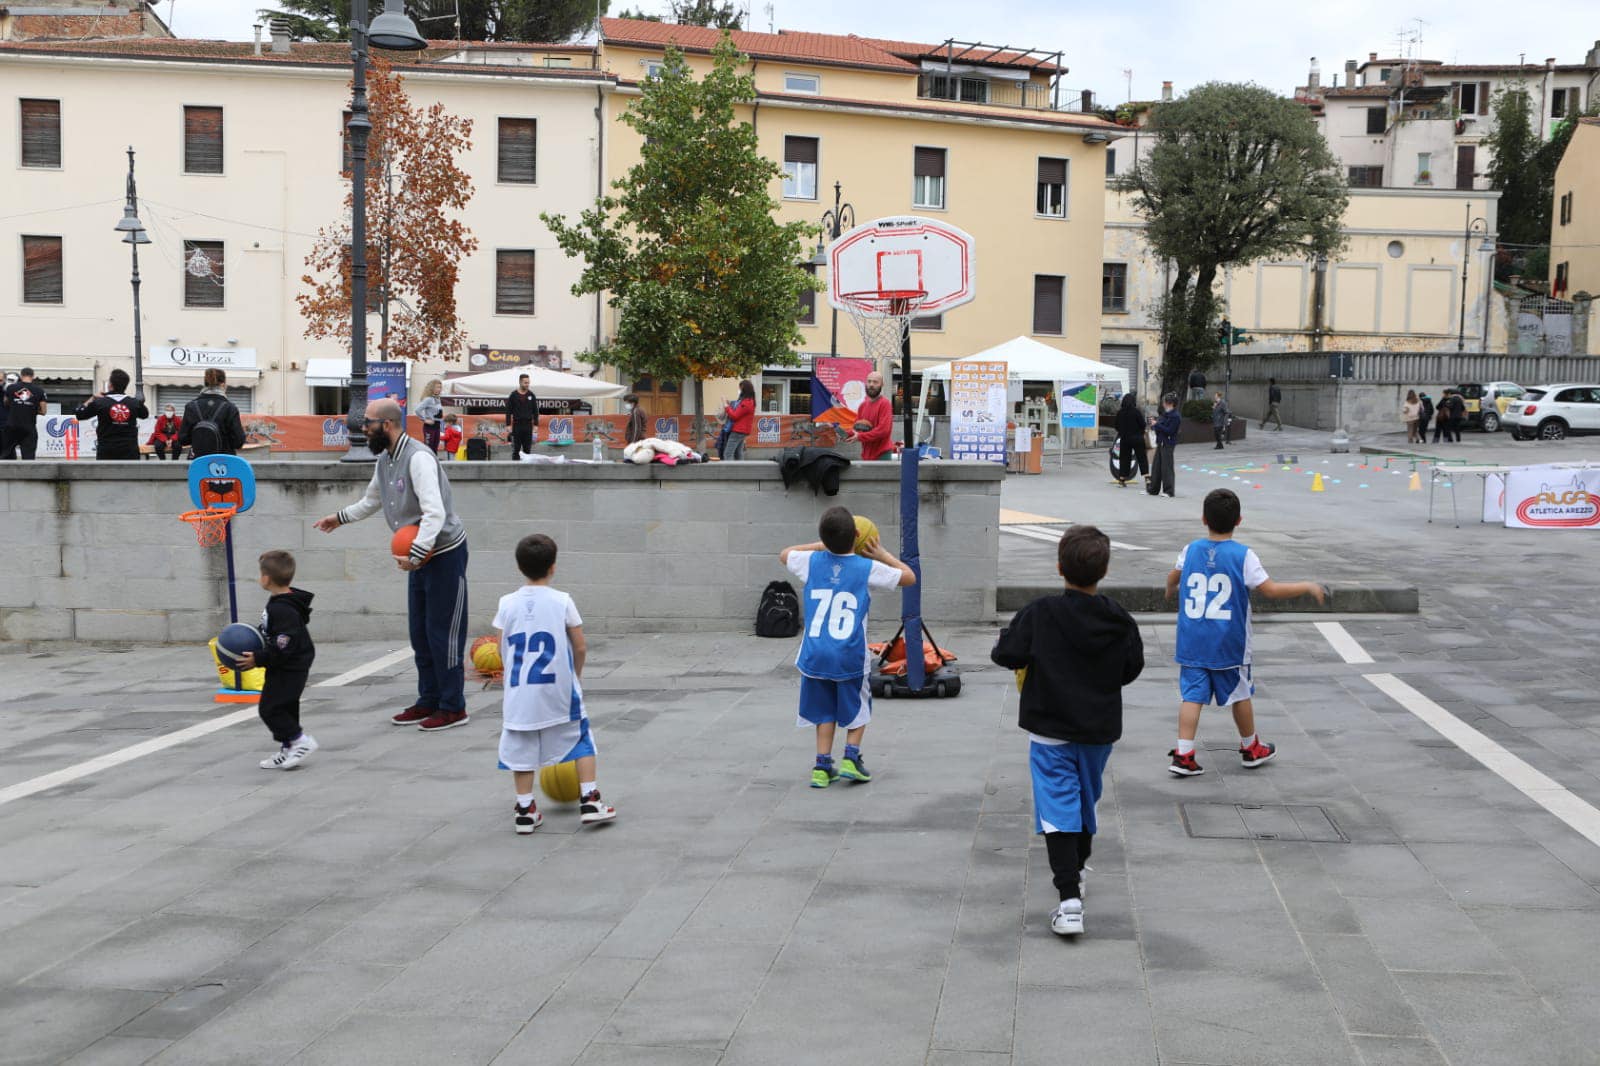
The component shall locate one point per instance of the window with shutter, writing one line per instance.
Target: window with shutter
(927, 181)
(41, 270)
(1377, 119)
(519, 150)
(1047, 303)
(202, 140)
(928, 323)
(513, 281)
(1483, 98)
(808, 301)
(1114, 287)
(202, 274)
(41, 133)
(800, 168)
(1111, 162)
(1051, 200)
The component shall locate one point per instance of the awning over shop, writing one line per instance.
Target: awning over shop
(334, 373)
(59, 373)
(167, 375)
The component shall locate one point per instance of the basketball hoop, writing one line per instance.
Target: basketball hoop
(210, 524)
(883, 316)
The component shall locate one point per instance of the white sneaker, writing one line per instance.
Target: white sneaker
(297, 751)
(1068, 918)
(593, 811)
(276, 761)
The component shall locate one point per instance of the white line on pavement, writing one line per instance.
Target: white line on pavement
(1054, 536)
(1512, 769)
(39, 784)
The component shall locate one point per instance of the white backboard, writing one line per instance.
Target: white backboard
(906, 252)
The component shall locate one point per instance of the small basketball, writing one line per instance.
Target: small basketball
(486, 655)
(866, 530)
(559, 783)
(862, 425)
(238, 639)
(404, 537)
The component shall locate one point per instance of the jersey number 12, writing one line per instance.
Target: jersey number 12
(542, 646)
(1220, 588)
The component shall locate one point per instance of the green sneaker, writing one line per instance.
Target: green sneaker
(855, 769)
(822, 777)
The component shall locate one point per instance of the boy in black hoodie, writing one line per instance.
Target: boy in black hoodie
(287, 657)
(1078, 650)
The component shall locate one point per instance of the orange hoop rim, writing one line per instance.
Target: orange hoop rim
(885, 303)
(210, 523)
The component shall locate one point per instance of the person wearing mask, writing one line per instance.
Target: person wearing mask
(741, 420)
(116, 416)
(164, 438)
(637, 428)
(24, 402)
(1130, 441)
(522, 415)
(211, 424)
(430, 410)
(878, 414)
(1166, 430)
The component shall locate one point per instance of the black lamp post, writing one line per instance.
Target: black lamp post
(394, 32)
(1474, 225)
(834, 222)
(133, 235)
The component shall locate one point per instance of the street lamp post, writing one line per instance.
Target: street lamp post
(834, 222)
(391, 31)
(1474, 225)
(133, 235)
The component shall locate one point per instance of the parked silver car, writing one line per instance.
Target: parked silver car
(1553, 412)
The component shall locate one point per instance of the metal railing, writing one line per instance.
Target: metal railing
(1410, 368)
(996, 92)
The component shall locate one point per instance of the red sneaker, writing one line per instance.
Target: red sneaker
(412, 715)
(443, 720)
(1184, 765)
(1256, 754)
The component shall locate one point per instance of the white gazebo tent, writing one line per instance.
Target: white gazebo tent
(546, 384)
(1029, 360)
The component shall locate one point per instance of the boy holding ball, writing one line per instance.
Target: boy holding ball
(287, 654)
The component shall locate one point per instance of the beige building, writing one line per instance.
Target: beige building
(239, 157)
(1575, 215)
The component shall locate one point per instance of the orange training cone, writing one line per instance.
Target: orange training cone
(1316, 483)
(1416, 482)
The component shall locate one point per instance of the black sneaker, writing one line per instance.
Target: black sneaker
(593, 811)
(528, 818)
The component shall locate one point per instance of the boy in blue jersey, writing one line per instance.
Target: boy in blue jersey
(833, 660)
(1216, 575)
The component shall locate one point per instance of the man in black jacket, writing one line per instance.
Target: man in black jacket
(522, 415)
(1197, 384)
(24, 400)
(116, 416)
(1078, 650)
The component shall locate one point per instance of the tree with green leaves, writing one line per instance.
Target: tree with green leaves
(1237, 174)
(706, 281)
(481, 20)
(1523, 216)
(722, 16)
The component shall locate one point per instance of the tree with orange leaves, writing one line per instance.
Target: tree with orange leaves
(415, 242)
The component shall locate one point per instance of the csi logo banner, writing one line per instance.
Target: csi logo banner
(769, 429)
(560, 429)
(335, 434)
(667, 428)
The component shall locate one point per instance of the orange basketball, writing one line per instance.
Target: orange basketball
(404, 537)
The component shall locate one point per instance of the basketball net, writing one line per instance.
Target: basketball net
(882, 316)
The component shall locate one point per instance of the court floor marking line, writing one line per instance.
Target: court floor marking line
(1576, 812)
(55, 778)
(1053, 537)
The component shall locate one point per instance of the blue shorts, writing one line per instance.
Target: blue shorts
(1196, 684)
(844, 703)
(1066, 785)
(525, 750)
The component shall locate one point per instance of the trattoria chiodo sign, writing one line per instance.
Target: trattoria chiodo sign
(1552, 497)
(200, 358)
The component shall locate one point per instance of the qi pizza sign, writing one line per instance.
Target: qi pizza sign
(1552, 497)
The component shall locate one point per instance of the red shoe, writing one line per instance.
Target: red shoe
(412, 715)
(1256, 754)
(1184, 765)
(443, 720)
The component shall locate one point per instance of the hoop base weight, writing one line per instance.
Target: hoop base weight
(236, 695)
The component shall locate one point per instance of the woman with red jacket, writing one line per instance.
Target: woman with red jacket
(741, 416)
(165, 435)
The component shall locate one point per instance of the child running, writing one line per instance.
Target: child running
(833, 659)
(1079, 649)
(286, 654)
(542, 647)
(1217, 574)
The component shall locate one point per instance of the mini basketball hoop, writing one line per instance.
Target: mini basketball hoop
(883, 316)
(210, 524)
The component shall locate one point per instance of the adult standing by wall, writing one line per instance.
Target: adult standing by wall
(1274, 398)
(1197, 384)
(24, 400)
(1410, 411)
(1424, 416)
(878, 413)
(741, 420)
(1219, 420)
(431, 410)
(1163, 475)
(636, 428)
(116, 416)
(1456, 405)
(164, 437)
(211, 423)
(410, 488)
(1131, 428)
(522, 415)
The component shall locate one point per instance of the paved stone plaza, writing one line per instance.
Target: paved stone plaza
(1376, 895)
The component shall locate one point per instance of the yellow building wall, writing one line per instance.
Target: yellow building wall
(1578, 243)
(632, 64)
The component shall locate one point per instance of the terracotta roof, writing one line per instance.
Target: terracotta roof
(1398, 62)
(1501, 68)
(980, 56)
(1359, 90)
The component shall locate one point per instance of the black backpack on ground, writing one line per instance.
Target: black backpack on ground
(477, 449)
(779, 612)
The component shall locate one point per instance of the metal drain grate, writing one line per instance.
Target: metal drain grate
(1261, 821)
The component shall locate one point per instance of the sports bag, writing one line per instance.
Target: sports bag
(206, 436)
(779, 612)
(477, 449)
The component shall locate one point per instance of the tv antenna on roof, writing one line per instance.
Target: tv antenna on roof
(1127, 72)
(772, 18)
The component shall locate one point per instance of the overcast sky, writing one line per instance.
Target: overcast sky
(1185, 41)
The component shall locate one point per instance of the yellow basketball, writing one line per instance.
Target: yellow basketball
(1022, 677)
(866, 530)
(560, 782)
(486, 655)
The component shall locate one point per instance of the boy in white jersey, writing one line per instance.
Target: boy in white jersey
(1216, 574)
(542, 649)
(833, 659)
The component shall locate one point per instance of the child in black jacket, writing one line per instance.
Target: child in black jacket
(1078, 650)
(287, 657)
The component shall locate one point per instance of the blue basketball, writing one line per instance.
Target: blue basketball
(237, 639)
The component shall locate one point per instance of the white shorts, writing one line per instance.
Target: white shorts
(526, 750)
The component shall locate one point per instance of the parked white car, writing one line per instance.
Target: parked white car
(1553, 412)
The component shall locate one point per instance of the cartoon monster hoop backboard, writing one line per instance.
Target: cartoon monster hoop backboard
(906, 254)
(222, 481)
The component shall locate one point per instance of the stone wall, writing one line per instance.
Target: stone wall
(95, 551)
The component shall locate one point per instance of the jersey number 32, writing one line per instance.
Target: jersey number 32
(1208, 597)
